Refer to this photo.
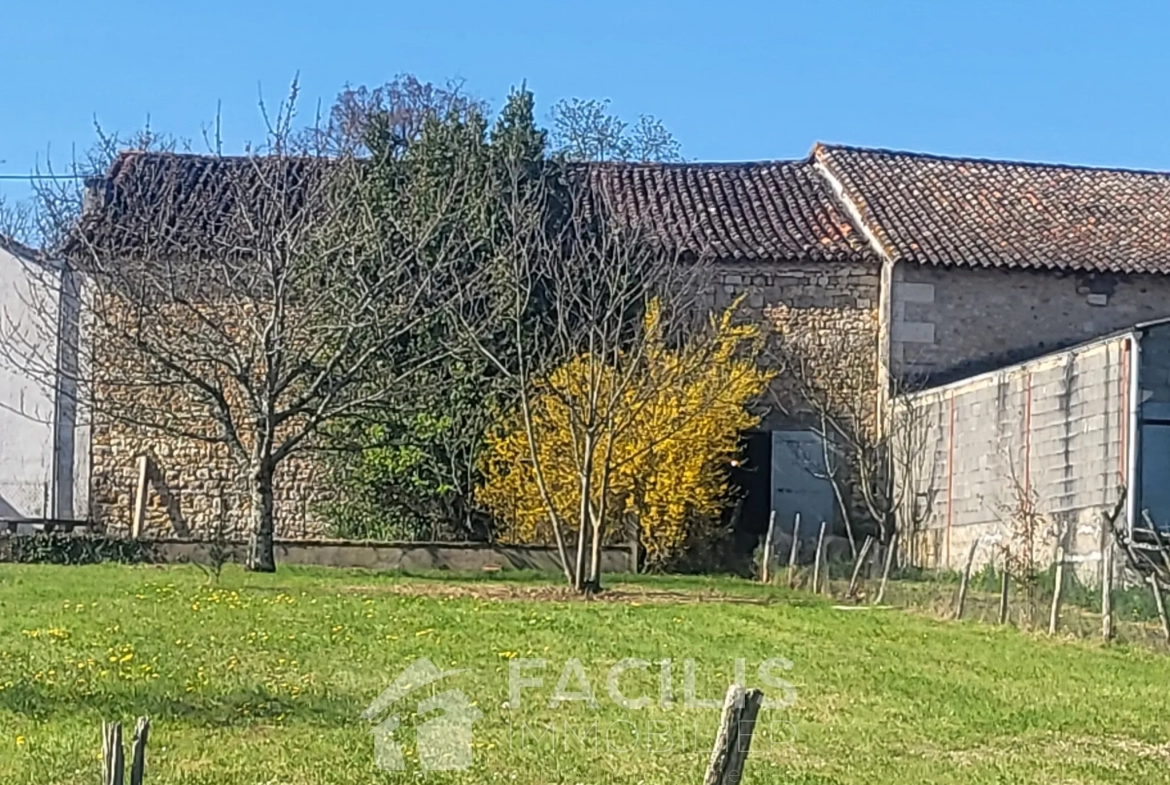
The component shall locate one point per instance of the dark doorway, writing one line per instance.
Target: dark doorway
(751, 492)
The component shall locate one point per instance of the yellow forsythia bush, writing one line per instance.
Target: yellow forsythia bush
(668, 424)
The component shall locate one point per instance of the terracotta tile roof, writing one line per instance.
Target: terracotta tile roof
(919, 208)
(194, 204)
(752, 212)
(966, 212)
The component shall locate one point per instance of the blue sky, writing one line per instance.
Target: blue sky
(1070, 81)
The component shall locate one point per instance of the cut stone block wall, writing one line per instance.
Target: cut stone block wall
(951, 322)
(827, 310)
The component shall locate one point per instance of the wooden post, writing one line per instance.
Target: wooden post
(1157, 589)
(139, 516)
(113, 760)
(1004, 583)
(793, 551)
(1058, 590)
(138, 754)
(1107, 591)
(865, 546)
(816, 584)
(890, 548)
(966, 579)
(113, 764)
(734, 739)
(766, 567)
(635, 542)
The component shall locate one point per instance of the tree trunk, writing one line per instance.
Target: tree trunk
(261, 552)
(583, 516)
(595, 558)
(579, 576)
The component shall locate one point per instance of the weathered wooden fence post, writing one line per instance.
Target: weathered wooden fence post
(890, 548)
(1057, 591)
(816, 584)
(766, 567)
(966, 580)
(1107, 591)
(113, 757)
(138, 752)
(793, 551)
(1004, 584)
(113, 762)
(857, 566)
(736, 726)
(138, 518)
(1157, 589)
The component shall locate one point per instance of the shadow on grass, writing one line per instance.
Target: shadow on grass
(238, 708)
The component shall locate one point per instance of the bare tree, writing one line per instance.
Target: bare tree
(17, 220)
(586, 130)
(1025, 533)
(249, 302)
(577, 282)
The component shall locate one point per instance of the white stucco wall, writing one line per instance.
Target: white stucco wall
(26, 407)
(29, 444)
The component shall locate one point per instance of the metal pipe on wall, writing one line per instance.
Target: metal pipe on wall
(1133, 469)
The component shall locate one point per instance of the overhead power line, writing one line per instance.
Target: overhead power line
(43, 176)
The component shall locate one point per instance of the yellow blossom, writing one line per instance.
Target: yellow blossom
(669, 422)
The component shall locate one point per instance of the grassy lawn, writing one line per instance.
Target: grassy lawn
(261, 679)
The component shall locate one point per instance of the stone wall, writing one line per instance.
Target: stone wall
(824, 313)
(951, 322)
(825, 320)
(456, 556)
(199, 486)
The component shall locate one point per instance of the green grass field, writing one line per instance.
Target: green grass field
(261, 679)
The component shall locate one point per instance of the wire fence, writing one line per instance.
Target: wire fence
(940, 594)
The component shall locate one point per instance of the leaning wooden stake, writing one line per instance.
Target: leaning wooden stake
(890, 548)
(857, 566)
(766, 567)
(1107, 592)
(138, 519)
(793, 551)
(734, 739)
(966, 580)
(816, 584)
(1157, 589)
(1058, 590)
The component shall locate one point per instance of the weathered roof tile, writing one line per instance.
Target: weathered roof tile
(978, 213)
(770, 211)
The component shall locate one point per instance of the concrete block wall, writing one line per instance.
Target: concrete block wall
(1050, 433)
